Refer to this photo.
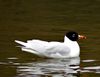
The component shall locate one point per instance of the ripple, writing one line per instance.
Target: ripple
(3, 63)
(89, 60)
(12, 58)
(92, 68)
(52, 67)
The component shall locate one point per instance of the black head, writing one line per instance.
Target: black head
(72, 35)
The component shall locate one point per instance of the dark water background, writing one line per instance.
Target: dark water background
(48, 20)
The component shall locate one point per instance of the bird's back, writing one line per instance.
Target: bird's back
(48, 49)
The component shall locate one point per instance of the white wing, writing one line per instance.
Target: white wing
(58, 50)
(33, 46)
(43, 48)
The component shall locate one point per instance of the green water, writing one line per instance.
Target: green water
(48, 20)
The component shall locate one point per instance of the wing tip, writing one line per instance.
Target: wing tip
(20, 42)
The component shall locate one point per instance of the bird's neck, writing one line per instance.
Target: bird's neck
(67, 40)
(73, 45)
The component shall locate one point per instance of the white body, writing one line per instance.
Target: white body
(66, 49)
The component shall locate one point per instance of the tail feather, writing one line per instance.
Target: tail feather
(27, 47)
(30, 50)
(21, 43)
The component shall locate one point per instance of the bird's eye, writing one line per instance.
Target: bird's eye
(73, 35)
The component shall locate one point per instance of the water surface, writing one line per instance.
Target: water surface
(49, 20)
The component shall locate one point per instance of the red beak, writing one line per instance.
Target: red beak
(81, 37)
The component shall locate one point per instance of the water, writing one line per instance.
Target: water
(49, 20)
(49, 68)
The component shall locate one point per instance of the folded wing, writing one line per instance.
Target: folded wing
(43, 48)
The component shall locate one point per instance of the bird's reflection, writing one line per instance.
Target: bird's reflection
(50, 68)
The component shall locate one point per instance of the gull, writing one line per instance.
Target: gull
(67, 49)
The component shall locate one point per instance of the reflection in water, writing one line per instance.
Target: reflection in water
(95, 69)
(51, 68)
